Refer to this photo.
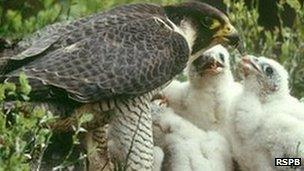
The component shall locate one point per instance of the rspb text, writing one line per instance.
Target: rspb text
(287, 161)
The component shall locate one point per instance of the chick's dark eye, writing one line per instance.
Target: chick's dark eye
(222, 57)
(268, 70)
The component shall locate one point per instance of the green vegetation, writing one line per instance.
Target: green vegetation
(24, 136)
(285, 44)
(21, 17)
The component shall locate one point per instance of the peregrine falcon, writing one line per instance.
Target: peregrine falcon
(266, 121)
(115, 61)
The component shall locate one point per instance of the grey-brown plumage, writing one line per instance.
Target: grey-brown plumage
(105, 56)
(113, 62)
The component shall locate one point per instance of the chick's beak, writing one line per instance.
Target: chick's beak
(250, 63)
(211, 65)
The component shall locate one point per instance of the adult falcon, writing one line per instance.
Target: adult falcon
(115, 61)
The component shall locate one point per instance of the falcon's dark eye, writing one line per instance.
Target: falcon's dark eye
(268, 70)
(207, 22)
(222, 57)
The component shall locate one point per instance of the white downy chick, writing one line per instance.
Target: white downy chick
(266, 121)
(187, 147)
(205, 98)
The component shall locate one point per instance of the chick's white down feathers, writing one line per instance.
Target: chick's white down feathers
(187, 147)
(266, 121)
(205, 99)
(202, 104)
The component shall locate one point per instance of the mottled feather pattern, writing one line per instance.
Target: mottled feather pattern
(118, 59)
(73, 31)
(112, 56)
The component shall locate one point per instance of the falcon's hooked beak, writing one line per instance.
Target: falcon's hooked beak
(225, 35)
(229, 35)
(250, 64)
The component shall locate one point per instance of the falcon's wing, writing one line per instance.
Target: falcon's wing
(127, 59)
(64, 34)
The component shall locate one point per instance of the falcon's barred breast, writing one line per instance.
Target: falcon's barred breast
(118, 59)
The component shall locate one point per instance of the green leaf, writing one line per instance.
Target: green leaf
(25, 88)
(8, 88)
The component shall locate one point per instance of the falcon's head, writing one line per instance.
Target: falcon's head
(213, 63)
(264, 76)
(203, 26)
